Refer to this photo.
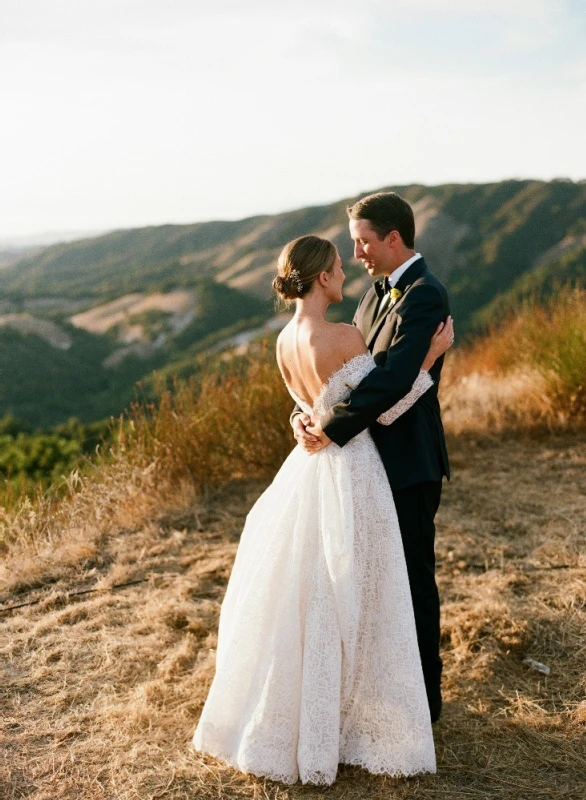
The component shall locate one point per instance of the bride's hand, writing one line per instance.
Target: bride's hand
(442, 340)
(301, 424)
(315, 429)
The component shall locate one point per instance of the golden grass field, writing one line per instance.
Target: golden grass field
(101, 692)
(102, 683)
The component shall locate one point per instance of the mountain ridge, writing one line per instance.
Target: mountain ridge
(493, 245)
(462, 229)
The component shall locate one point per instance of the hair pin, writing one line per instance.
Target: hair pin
(296, 278)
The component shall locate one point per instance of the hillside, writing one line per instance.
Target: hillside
(480, 239)
(95, 374)
(494, 245)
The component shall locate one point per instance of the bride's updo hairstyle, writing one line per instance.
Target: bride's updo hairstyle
(300, 263)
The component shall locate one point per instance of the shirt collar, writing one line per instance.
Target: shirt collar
(393, 279)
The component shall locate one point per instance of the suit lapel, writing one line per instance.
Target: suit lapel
(403, 284)
(411, 274)
(368, 311)
(376, 326)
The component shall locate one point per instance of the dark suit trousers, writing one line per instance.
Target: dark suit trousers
(416, 508)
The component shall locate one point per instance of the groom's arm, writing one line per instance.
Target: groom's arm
(421, 312)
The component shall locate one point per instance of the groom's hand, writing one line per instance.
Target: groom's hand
(315, 429)
(309, 443)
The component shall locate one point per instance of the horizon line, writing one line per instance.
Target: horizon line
(21, 241)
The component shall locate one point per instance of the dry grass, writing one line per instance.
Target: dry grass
(527, 376)
(528, 373)
(198, 436)
(101, 692)
(514, 401)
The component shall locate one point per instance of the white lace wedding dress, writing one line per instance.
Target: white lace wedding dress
(317, 661)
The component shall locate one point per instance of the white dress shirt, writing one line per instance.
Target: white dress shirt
(391, 281)
(393, 278)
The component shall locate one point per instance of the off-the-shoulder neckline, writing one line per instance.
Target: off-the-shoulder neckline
(326, 383)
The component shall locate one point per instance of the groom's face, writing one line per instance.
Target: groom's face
(375, 253)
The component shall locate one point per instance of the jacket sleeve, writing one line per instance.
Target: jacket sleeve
(421, 311)
(294, 413)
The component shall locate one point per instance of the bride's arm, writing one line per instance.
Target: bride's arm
(421, 310)
(423, 382)
(442, 341)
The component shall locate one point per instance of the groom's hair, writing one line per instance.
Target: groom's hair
(386, 212)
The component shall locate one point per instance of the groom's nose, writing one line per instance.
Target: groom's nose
(358, 251)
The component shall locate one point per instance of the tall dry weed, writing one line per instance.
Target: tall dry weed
(527, 372)
(225, 424)
(200, 434)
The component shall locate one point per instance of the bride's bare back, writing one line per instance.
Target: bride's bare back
(310, 350)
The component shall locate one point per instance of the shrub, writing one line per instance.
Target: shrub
(537, 356)
(232, 422)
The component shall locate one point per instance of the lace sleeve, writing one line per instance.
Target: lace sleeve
(423, 382)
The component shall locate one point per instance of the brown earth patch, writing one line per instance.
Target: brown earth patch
(179, 304)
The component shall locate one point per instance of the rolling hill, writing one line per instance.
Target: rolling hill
(493, 245)
(95, 375)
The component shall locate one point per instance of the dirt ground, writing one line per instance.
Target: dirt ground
(100, 692)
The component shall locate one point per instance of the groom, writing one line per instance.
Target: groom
(398, 316)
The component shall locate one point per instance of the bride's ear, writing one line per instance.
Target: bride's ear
(324, 278)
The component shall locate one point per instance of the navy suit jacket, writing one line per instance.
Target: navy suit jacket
(413, 448)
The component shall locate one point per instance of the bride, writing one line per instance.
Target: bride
(317, 660)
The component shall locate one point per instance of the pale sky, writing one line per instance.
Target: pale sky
(121, 113)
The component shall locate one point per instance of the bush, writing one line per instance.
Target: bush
(228, 422)
(537, 355)
(44, 456)
(231, 422)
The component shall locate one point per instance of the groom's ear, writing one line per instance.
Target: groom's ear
(393, 238)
